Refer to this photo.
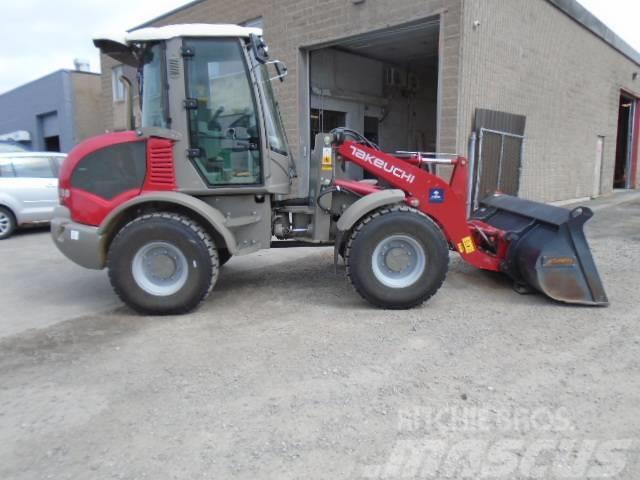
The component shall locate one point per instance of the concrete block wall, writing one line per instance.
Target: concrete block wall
(106, 98)
(115, 113)
(88, 117)
(527, 57)
(292, 24)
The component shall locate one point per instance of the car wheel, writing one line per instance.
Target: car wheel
(7, 223)
(397, 258)
(163, 264)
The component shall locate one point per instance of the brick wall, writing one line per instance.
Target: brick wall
(106, 97)
(87, 115)
(529, 58)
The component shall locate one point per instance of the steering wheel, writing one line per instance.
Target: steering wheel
(213, 123)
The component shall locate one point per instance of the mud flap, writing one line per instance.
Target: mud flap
(548, 250)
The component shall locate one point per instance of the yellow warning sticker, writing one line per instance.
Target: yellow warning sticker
(461, 248)
(327, 158)
(469, 246)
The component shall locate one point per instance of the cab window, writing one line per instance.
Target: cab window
(153, 90)
(223, 122)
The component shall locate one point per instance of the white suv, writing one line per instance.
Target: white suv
(28, 189)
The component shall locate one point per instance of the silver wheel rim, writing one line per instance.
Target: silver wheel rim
(398, 261)
(5, 223)
(160, 269)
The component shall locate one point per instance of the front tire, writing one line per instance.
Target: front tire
(7, 223)
(163, 264)
(397, 258)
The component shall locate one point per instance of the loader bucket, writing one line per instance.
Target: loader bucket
(548, 251)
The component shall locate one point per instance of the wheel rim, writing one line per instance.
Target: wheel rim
(5, 223)
(398, 261)
(160, 269)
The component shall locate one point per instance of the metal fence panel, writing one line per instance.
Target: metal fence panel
(499, 163)
(498, 148)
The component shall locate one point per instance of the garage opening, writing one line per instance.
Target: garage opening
(383, 84)
(49, 129)
(626, 156)
(52, 144)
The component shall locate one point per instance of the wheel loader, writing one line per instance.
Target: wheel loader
(209, 175)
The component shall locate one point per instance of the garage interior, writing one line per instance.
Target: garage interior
(383, 84)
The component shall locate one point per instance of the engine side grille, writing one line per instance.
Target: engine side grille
(161, 173)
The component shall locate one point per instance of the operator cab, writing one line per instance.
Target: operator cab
(211, 86)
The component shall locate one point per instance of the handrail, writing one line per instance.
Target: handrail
(419, 157)
(427, 154)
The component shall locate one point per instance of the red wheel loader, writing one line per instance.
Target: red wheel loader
(209, 175)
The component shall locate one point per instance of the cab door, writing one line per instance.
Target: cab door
(224, 133)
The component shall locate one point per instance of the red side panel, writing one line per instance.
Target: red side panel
(161, 171)
(89, 146)
(91, 209)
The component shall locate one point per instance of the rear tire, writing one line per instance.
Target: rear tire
(7, 223)
(163, 264)
(397, 258)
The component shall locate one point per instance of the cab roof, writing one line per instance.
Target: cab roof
(151, 34)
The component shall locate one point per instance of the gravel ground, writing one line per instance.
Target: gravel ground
(285, 373)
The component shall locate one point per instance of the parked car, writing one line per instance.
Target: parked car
(12, 147)
(28, 189)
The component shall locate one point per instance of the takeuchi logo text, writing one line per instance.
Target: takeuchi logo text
(382, 164)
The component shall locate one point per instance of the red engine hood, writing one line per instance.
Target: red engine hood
(91, 145)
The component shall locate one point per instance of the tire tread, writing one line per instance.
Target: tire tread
(197, 229)
(357, 230)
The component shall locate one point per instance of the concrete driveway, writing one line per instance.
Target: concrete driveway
(285, 373)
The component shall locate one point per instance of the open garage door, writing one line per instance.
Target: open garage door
(383, 84)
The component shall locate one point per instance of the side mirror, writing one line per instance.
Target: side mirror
(281, 69)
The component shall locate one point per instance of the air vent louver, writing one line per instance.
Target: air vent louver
(174, 67)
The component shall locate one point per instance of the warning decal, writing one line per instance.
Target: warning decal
(327, 158)
(469, 246)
